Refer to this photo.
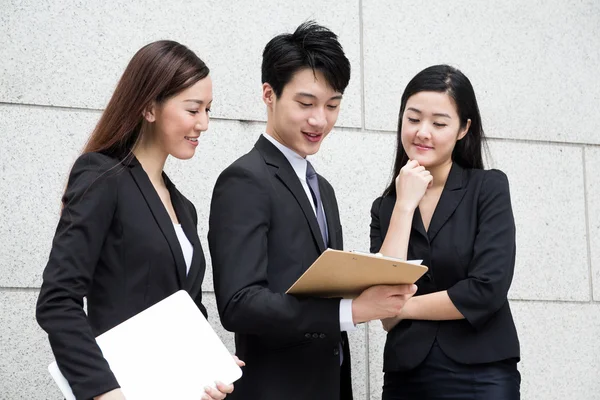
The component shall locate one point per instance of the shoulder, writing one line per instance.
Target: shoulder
(96, 165)
(486, 180)
(490, 188)
(93, 175)
(483, 175)
(250, 166)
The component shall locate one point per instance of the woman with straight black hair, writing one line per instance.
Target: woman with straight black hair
(455, 338)
(127, 238)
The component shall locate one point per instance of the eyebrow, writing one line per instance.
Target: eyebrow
(312, 96)
(435, 114)
(197, 101)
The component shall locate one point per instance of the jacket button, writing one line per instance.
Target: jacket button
(322, 336)
(308, 336)
(315, 335)
(336, 351)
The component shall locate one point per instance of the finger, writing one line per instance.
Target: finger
(420, 168)
(223, 388)
(398, 290)
(213, 394)
(411, 164)
(430, 183)
(207, 396)
(239, 362)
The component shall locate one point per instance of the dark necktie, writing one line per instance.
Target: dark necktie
(313, 184)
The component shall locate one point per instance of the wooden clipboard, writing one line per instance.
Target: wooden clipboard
(346, 274)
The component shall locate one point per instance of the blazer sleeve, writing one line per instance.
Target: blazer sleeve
(492, 266)
(376, 238)
(89, 204)
(238, 239)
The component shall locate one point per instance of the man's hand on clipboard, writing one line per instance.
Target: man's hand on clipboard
(381, 302)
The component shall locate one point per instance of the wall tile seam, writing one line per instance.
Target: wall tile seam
(546, 301)
(587, 225)
(337, 128)
(362, 64)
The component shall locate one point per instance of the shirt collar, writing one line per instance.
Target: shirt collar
(297, 162)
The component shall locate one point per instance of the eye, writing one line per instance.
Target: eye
(439, 125)
(332, 107)
(207, 110)
(193, 112)
(304, 104)
(412, 120)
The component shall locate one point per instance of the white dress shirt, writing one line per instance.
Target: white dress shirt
(299, 164)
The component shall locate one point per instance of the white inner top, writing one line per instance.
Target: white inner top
(186, 246)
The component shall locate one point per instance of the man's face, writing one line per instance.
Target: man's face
(304, 113)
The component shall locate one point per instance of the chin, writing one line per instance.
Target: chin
(423, 161)
(183, 155)
(312, 150)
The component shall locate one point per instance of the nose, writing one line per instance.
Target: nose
(424, 131)
(318, 119)
(202, 122)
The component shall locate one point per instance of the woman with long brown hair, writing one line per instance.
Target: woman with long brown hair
(127, 238)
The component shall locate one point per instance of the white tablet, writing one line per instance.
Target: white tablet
(168, 351)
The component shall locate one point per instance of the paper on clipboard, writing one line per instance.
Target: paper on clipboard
(168, 351)
(338, 273)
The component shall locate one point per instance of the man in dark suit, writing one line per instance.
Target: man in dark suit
(272, 216)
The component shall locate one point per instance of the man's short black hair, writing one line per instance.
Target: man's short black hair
(310, 46)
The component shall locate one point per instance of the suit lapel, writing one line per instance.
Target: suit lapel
(286, 174)
(417, 224)
(453, 193)
(160, 215)
(187, 224)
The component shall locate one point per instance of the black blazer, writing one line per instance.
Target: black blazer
(263, 234)
(116, 245)
(470, 251)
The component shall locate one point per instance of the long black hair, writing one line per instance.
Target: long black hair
(446, 79)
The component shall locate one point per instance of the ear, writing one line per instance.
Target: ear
(149, 113)
(268, 94)
(463, 132)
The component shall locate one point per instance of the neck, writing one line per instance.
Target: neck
(440, 174)
(270, 131)
(153, 160)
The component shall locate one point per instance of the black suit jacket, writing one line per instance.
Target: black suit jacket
(263, 235)
(470, 251)
(116, 245)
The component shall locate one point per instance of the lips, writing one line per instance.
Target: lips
(312, 136)
(422, 146)
(193, 140)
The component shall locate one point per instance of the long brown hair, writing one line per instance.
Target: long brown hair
(156, 72)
